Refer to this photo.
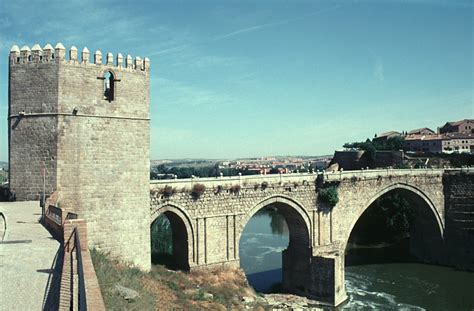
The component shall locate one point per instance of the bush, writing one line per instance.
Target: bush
(167, 191)
(329, 195)
(218, 189)
(197, 190)
(264, 185)
(235, 189)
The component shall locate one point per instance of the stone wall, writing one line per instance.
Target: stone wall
(96, 150)
(313, 263)
(359, 189)
(103, 173)
(219, 212)
(217, 218)
(459, 198)
(33, 93)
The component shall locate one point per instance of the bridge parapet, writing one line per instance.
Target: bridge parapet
(236, 180)
(462, 170)
(374, 174)
(300, 177)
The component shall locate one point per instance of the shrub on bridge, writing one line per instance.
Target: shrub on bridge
(218, 189)
(329, 195)
(235, 189)
(167, 191)
(197, 191)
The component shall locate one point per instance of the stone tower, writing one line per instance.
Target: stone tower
(85, 126)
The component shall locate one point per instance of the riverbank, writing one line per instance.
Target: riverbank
(223, 288)
(162, 289)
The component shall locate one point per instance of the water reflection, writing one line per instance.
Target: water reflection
(277, 222)
(264, 238)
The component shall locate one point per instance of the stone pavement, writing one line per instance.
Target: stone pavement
(27, 259)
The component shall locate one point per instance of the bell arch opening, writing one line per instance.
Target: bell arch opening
(274, 248)
(109, 86)
(399, 225)
(169, 242)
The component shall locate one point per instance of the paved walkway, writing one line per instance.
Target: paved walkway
(27, 256)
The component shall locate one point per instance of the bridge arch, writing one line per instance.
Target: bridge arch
(422, 201)
(278, 200)
(296, 257)
(182, 232)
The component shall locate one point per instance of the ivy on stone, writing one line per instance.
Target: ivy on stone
(329, 195)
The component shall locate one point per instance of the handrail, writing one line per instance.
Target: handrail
(82, 297)
(75, 289)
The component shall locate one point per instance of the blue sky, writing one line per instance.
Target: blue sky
(254, 78)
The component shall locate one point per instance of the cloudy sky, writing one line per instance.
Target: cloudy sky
(253, 78)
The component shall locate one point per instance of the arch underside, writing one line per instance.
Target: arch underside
(296, 258)
(297, 218)
(426, 231)
(182, 234)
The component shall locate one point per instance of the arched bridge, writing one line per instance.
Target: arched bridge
(209, 214)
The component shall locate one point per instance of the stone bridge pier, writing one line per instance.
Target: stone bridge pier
(208, 216)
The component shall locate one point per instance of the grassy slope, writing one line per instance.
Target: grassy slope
(162, 289)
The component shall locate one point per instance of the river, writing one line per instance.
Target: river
(387, 286)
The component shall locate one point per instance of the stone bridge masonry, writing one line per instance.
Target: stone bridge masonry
(313, 264)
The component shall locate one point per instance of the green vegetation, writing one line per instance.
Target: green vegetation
(397, 212)
(161, 239)
(455, 159)
(329, 195)
(109, 273)
(163, 289)
(371, 147)
(391, 144)
(388, 219)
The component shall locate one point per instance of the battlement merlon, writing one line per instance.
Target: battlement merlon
(58, 54)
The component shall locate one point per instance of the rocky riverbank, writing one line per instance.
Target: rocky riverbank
(220, 288)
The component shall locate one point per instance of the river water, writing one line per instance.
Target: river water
(387, 286)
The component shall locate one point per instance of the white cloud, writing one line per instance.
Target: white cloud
(272, 24)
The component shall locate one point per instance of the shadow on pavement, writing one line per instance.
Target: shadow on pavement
(51, 293)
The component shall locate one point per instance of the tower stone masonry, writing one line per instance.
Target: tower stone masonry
(82, 128)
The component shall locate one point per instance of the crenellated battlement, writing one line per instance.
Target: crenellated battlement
(58, 54)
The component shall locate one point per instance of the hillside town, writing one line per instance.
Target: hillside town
(452, 137)
(422, 147)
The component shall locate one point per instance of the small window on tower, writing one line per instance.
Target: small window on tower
(109, 86)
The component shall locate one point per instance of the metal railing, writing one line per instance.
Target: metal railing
(77, 288)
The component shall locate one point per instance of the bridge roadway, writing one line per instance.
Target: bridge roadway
(27, 255)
